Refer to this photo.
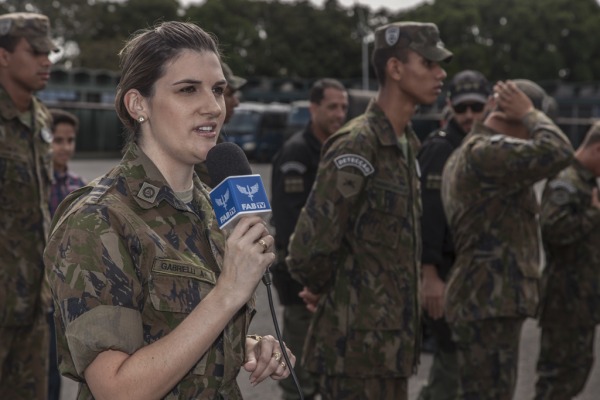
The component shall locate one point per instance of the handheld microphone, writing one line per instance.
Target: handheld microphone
(237, 191)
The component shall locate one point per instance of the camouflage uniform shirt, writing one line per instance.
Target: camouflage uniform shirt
(25, 177)
(357, 242)
(571, 234)
(127, 261)
(487, 191)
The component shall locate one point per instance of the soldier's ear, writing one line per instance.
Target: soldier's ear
(395, 68)
(4, 57)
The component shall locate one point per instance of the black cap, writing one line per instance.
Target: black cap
(469, 86)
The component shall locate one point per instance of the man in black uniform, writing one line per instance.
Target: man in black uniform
(467, 98)
(294, 171)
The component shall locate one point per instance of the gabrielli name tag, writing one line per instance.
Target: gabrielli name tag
(178, 268)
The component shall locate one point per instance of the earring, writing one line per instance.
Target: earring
(141, 119)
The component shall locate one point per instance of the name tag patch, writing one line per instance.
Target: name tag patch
(354, 160)
(178, 268)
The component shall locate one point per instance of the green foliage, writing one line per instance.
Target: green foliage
(536, 39)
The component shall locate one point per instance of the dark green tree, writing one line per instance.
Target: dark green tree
(543, 40)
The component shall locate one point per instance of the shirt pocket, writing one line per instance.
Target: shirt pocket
(16, 177)
(386, 211)
(175, 288)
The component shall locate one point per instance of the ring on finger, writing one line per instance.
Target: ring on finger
(263, 244)
(283, 365)
(277, 356)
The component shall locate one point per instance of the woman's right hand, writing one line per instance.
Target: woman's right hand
(248, 254)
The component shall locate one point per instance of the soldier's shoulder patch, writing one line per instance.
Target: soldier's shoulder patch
(356, 161)
(561, 192)
(293, 184)
(46, 135)
(559, 197)
(148, 192)
(293, 166)
(433, 181)
(559, 184)
(349, 184)
(506, 139)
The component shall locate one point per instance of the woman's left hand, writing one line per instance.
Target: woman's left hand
(264, 358)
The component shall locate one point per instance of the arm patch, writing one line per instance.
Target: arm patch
(354, 160)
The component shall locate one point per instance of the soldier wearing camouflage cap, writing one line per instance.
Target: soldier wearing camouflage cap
(490, 204)
(25, 176)
(356, 245)
(152, 300)
(570, 301)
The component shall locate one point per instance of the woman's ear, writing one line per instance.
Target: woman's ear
(135, 104)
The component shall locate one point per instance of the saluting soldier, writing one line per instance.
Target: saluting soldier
(357, 242)
(487, 191)
(468, 95)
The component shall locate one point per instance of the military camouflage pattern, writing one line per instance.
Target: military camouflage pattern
(127, 261)
(488, 354)
(358, 243)
(25, 178)
(421, 37)
(571, 235)
(33, 27)
(570, 307)
(337, 388)
(491, 210)
(565, 361)
(24, 352)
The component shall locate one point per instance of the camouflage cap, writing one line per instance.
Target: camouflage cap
(468, 85)
(538, 96)
(235, 82)
(33, 27)
(421, 37)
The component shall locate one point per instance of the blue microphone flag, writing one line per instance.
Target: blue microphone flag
(239, 195)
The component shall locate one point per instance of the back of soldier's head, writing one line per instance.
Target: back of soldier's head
(538, 96)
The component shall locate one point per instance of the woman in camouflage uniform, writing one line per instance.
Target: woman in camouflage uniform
(151, 300)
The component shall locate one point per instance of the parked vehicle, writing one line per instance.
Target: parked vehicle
(298, 117)
(259, 129)
(300, 114)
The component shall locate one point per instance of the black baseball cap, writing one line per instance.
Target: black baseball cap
(469, 86)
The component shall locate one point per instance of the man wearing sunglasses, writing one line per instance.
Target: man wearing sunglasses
(467, 98)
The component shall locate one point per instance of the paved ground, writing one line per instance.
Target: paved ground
(263, 324)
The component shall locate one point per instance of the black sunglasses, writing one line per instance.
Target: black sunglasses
(475, 107)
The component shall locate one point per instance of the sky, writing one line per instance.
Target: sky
(392, 5)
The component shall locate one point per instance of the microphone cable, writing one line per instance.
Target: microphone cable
(267, 281)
